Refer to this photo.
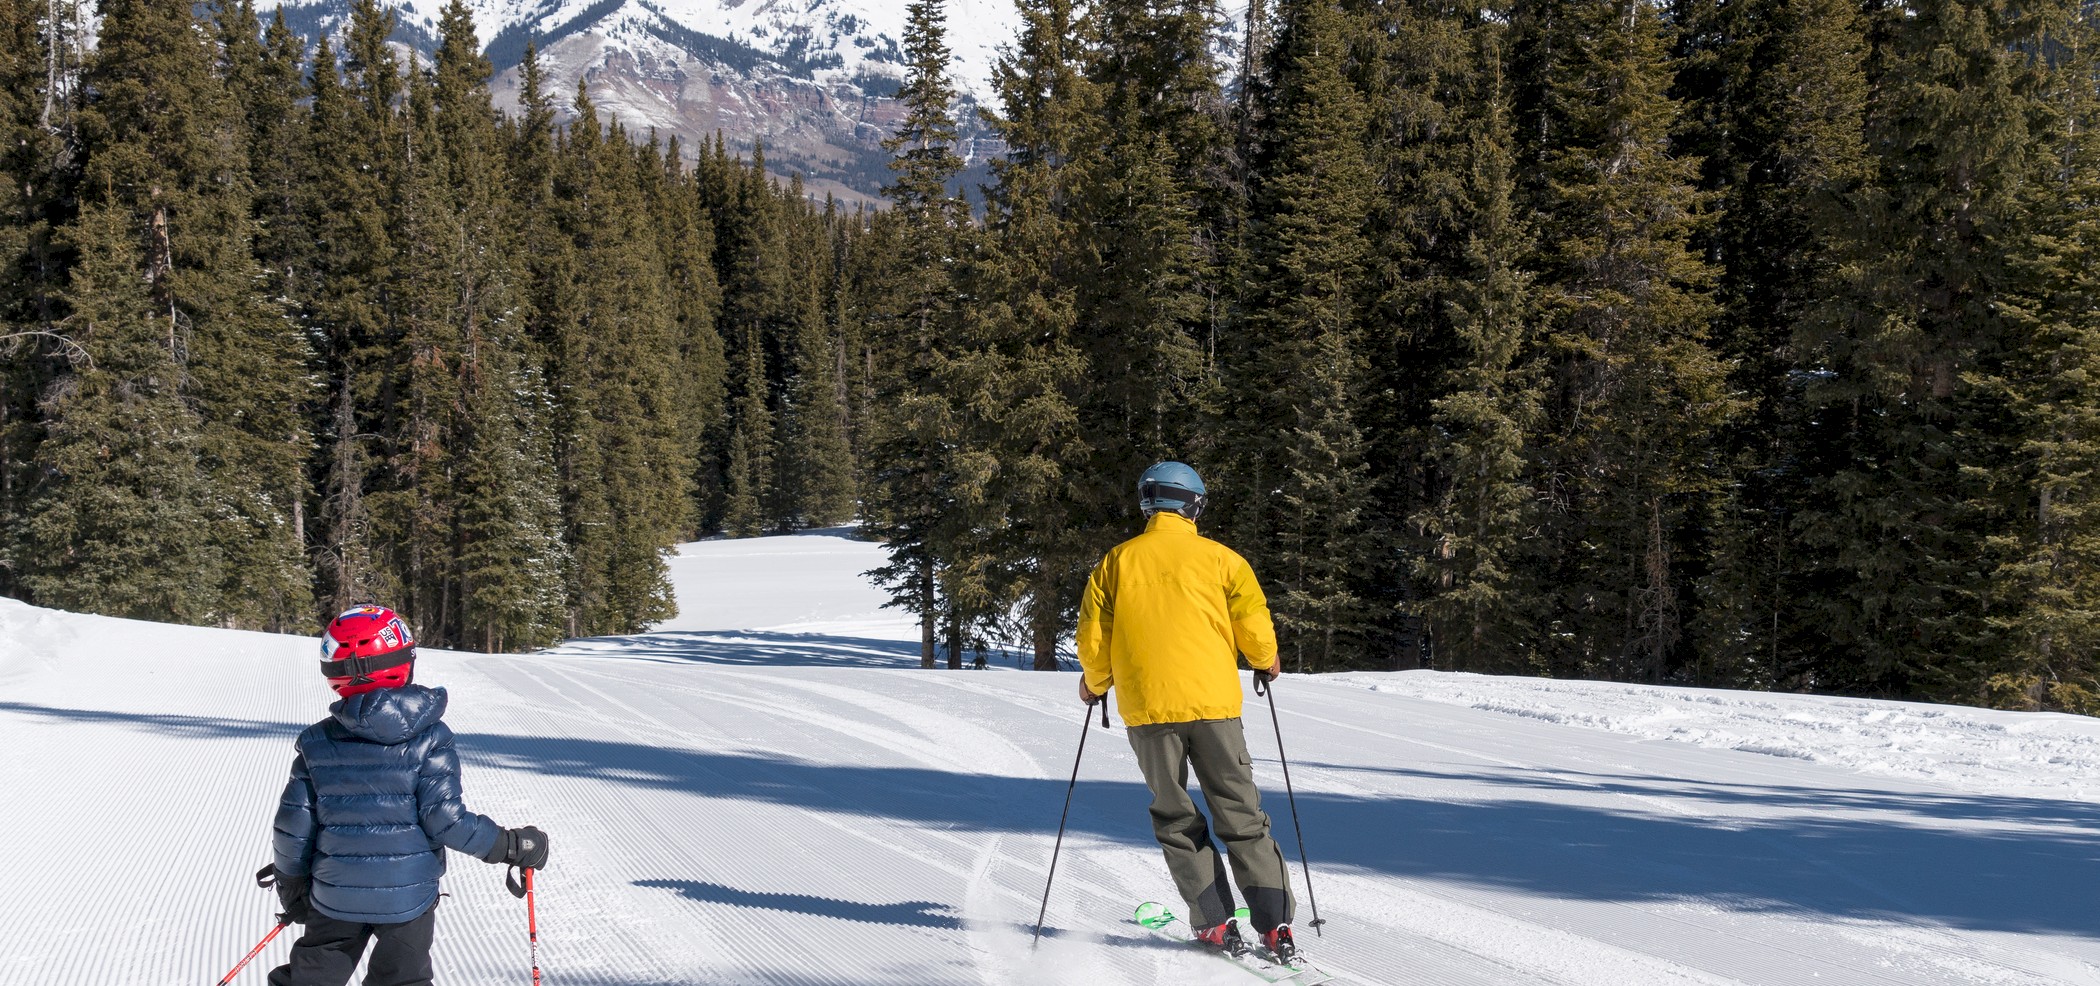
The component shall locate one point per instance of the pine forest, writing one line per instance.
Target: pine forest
(1739, 343)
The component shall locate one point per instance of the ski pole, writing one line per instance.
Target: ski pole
(532, 920)
(1262, 686)
(253, 952)
(532, 928)
(1086, 724)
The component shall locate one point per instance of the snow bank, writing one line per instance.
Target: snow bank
(1976, 750)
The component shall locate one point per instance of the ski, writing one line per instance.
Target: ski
(1157, 919)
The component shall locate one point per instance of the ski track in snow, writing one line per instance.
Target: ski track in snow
(768, 791)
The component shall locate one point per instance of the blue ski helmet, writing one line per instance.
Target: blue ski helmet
(1171, 486)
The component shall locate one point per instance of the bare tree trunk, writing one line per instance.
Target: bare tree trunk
(1044, 625)
(927, 614)
(844, 396)
(1657, 623)
(51, 60)
(346, 496)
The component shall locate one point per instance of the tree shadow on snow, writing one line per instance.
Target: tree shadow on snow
(2004, 864)
(180, 727)
(917, 913)
(1942, 806)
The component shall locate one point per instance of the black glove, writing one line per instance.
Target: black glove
(526, 847)
(294, 892)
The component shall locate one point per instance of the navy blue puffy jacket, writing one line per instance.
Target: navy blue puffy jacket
(373, 801)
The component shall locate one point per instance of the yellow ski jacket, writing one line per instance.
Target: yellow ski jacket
(1164, 617)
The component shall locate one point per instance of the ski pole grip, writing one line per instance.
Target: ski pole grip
(1104, 712)
(510, 882)
(267, 876)
(1261, 683)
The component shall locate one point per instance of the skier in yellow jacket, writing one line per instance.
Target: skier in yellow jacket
(1165, 618)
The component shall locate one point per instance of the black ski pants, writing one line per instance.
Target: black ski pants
(327, 954)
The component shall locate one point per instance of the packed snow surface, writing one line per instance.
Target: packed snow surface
(768, 790)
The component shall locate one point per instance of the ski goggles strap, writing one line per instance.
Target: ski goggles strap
(1161, 491)
(360, 667)
(1158, 493)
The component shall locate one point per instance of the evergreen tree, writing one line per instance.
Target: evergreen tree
(546, 256)
(2047, 593)
(757, 313)
(1469, 251)
(1028, 289)
(923, 147)
(1446, 404)
(506, 512)
(1636, 393)
(1298, 467)
(1773, 95)
(915, 487)
(35, 160)
(1899, 506)
(750, 465)
(412, 498)
(243, 63)
(1143, 312)
(353, 127)
(1159, 191)
(392, 247)
(869, 278)
(121, 520)
(512, 560)
(626, 470)
(686, 232)
(818, 470)
(1157, 61)
(279, 146)
(161, 141)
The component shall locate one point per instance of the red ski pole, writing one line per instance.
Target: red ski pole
(253, 952)
(532, 920)
(532, 928)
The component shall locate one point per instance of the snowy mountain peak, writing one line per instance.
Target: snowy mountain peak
(812, 79)
(826, 39)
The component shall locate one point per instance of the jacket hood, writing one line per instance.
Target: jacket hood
(390, 715)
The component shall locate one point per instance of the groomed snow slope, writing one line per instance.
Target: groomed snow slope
(768, 791)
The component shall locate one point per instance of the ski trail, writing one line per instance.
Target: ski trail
(762, 807)
(648, 727)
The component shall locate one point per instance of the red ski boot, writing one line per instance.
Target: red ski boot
(1222, 937)
(1280, 944)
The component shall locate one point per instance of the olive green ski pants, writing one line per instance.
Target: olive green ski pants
(1217, 748)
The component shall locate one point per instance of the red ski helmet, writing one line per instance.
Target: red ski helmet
(366, 649)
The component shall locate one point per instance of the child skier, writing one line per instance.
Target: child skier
(373, 802)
